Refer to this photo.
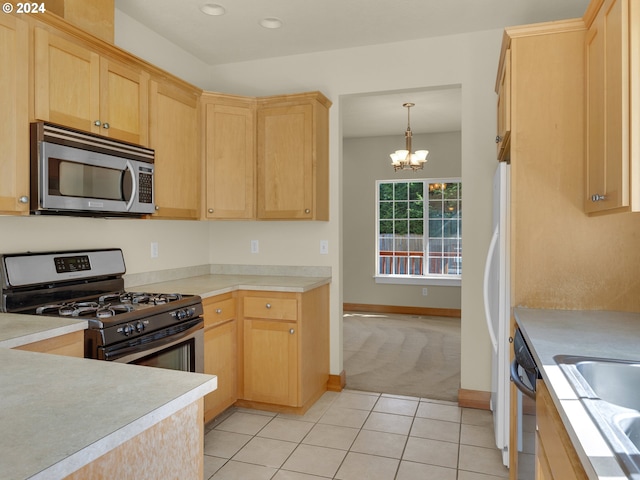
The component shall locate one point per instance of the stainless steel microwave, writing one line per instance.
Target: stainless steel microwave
(79, 173)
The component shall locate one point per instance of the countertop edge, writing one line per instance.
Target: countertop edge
(83, 457)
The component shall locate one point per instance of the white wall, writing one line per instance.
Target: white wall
(469, 60)
(365, 160)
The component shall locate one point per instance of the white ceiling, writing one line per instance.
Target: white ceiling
(320, 25)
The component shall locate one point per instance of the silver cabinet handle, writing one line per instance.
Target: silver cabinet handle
(306, 210)
(498, 138)
(268, 305)
(597, 197)
(218, 311)
(292, 331)
(157, 208)
(97, 123)
(23, 199)
(105, 125)
(210, 210)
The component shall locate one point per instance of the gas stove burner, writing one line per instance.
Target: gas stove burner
(140, 298)
(83, 309)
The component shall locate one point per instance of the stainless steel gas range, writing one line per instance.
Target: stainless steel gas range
(154, 329)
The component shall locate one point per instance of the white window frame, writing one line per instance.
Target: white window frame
(407, 279)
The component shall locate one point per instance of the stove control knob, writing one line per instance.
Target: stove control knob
(184, 313)
(127, 330)
(139, 326)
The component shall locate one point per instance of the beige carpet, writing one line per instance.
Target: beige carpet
(402, 354)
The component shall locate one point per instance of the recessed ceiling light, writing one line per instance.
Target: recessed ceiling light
(271, 22)
(213, 9)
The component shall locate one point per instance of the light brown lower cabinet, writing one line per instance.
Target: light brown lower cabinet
(286, 348)
(269, 350)
(220, 352)
(70, 345)
(556, 458)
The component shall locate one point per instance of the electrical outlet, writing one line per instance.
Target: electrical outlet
(154, 249)
(324, 247)
(255, 247)
(424, 291)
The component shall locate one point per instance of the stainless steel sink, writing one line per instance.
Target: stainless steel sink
(610, 392)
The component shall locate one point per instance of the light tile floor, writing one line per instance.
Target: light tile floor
(355, 436)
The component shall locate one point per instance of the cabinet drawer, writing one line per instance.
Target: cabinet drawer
(218, 312)
(271, 308)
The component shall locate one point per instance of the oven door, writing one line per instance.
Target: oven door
(180, 347)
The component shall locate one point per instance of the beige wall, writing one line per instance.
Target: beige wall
(180, 243)
(365, 160)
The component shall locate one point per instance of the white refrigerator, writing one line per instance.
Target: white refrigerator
(497, 308)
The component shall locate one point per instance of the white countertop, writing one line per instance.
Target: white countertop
(61, 413)
(601, 334)
(17, 330)
(212, 285)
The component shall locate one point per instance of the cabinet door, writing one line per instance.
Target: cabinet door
(174, 134)
(124, 102)
(14, 134)
(220, 352)
(270, 362)
(67, 82)
(285, 162)
(607, 109)
(503, 138)
(230, 160)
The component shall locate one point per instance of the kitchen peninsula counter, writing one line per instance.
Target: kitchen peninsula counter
(60, 414)
(603, 334)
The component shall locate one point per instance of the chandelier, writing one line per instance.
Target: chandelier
(404, 159)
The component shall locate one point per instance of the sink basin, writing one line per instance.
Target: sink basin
(610, 392)
(631, 428)
(612, 381)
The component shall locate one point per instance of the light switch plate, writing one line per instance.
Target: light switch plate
(255, 246)
(324, 247)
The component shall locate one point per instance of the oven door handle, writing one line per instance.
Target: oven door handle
(131, 353)
(520, 385)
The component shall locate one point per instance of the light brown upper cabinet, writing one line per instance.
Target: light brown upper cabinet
(293, 157)
(14, 115)
(79, 88)
(229, 144)
(612, 64)
(503, 89)
(175, 136)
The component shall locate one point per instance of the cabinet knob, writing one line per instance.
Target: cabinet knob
(97, 123)
(218, 311)
(498, 138)
(210, 210)
(268, 305)
(157, 208)
(105, 125)
(23, 199)
(597, 197)
(306, 210)
(292, 331)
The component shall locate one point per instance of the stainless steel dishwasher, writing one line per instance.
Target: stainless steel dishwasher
(524, 373)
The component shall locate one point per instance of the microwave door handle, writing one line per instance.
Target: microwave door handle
(134, 184)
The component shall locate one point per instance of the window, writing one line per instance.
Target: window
(419, 231)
